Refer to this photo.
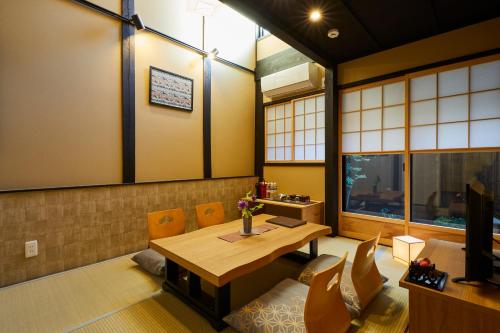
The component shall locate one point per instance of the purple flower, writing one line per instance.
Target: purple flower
(254, 197)
(242, 204)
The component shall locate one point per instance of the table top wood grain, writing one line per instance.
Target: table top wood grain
(449, 257)
(218, 261)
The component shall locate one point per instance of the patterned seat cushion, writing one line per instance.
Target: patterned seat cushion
(346, 286)
(279, 310)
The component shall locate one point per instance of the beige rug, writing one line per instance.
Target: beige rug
(115, 296)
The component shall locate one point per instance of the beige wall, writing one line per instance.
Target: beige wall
(308, 180)
(171, 17)
(233, 119)
(169, 142)
(456, 43)
(233, 35)
(60, 94)
(60, 104)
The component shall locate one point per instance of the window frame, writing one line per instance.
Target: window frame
(408, 226)
(292, 102)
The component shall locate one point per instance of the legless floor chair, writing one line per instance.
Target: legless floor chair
(292, 306)
(362, 279)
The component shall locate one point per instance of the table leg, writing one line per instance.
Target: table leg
(313, 249)
(194, 285)
(222, 302)
(214, 309)
(171, 271)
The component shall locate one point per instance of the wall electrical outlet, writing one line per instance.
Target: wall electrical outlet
(31, 249)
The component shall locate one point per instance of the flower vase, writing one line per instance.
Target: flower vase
(247, 224)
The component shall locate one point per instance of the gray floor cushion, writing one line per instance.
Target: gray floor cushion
(279, 310)
(151, 261)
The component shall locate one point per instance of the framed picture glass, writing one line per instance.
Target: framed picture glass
(169, 89)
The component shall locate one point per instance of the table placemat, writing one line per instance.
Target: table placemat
(236, 236)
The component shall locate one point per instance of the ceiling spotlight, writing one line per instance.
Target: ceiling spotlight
(212, 54)
(315, 15)
(136, 20)
(333, 33)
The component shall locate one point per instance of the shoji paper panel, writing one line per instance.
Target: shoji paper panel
(394, 93)
(423, 87)
(394, 139)
(485, 76)
(371, 119)
(485, 133)
(454, 135)
(371, 141)
(351, 142)
(351, 101)
(485, 105)
(423, 137)
(454, 108)
(454, 82)
(371, 98)
(422, 113)
(394, 116)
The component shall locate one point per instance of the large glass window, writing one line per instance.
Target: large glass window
(374, 185)
(438, 186)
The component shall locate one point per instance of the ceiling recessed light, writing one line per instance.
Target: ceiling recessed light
(315, 15)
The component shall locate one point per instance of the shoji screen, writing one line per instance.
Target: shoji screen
(279, 132)
(373, 119)
(295, 130)
(310, 129)
(457, 108)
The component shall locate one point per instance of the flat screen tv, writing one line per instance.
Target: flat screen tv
(479, 234)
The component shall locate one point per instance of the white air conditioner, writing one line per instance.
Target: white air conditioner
(298, 79)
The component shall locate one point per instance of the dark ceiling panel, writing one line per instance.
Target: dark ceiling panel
(366, 26)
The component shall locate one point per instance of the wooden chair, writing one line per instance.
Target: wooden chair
(365, 275)
(209, 214)
(295, 307)
(362, 279)
(166, 223)
(325, 310)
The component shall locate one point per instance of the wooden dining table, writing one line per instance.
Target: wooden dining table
(206, 256)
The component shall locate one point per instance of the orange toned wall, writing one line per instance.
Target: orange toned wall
(60, 97)
(233, 119)
(169, 142)
(453, 44)
(308, 180)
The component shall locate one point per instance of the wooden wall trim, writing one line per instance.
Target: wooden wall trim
(207, 117)
(259, 156)
(117, 184)
(128, 95)
(331, 150)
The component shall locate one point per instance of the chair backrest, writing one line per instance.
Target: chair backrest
(209, 214)
(364, 274)
(166, 223)
(325, 310)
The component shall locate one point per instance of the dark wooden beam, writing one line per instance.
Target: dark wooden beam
(128, 95)
(331, 150)
(207, 118)
(278, 29)
(259, 132)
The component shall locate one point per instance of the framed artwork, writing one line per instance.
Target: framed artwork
(169, 89)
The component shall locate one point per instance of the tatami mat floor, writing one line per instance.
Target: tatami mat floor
(116, 296)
